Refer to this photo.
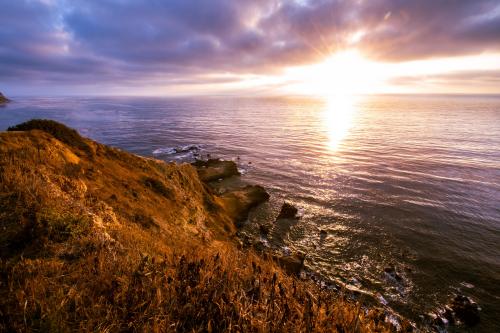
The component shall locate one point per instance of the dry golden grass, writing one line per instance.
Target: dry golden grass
(114, 242)
(189, 291)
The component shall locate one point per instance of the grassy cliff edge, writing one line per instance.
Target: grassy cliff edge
(98, 239)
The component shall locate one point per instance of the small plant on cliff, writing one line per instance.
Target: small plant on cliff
(61, 226)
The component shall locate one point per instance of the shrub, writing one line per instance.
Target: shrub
(59, 227)
(59, 131)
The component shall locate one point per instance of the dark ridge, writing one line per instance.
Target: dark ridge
(59, 131)
(3, 99)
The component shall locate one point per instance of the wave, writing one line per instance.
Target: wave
(194, 148)
(186, 153)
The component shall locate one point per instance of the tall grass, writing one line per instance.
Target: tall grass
(188, 291)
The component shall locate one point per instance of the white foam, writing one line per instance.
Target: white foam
(162, 151)
(191, 148)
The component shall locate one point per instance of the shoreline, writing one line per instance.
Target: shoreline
(460, 310)
(211, 218)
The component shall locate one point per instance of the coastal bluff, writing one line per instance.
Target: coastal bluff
(97, 239)
(3, 99)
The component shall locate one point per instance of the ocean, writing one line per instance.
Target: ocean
(409, 184)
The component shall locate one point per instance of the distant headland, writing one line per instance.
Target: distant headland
(3, 99)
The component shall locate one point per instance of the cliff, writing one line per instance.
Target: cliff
(97, 239)
(3, 99)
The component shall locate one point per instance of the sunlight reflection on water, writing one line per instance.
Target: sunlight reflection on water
(339, 114)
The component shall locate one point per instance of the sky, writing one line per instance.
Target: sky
(247, 47)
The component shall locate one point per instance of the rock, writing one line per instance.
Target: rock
(322, 236)
(264, 229)
(214, 169)
(286, 251)
(391, 271)
(288, 211)
(244, 240)
(292, 264)
(440, 322)
(3, 99)
(449, 315)
(261, 245)
(465, 310)
(238, 202)
(381, 299)
(188, 148)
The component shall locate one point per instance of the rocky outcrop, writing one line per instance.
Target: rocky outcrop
(393, 274)
(460, 311)
(288, 211)
(238, 202)
(292, 264)
(3, 99)
(215, 169)
(465, 310)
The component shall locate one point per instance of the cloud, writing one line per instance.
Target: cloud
(113, 41)
(467, 81)
(423, 29)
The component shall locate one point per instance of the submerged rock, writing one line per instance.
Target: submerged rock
(238, 202)
(184, 149)
(288, 211)
(3, 99)
(214, 169)
(466, 310)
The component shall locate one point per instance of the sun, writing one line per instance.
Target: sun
(343, 73)
(339, 80)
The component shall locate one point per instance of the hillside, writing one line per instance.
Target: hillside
(97, 239)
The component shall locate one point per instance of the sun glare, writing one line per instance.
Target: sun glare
(344, 73)
(349, 73)
(340, 80)
(339, 114)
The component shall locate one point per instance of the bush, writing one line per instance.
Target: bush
(59, 131)
(59, 227)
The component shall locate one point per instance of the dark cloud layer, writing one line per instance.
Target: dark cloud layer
(84, 41)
